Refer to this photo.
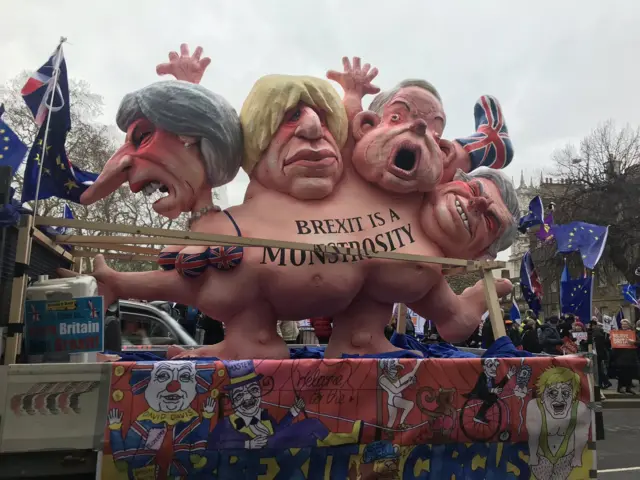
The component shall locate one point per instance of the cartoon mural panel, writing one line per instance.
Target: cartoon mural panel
(351, 418)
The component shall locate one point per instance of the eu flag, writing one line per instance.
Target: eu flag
(582, 237)
(576, 296)
(12, 150)
(629, 294)
(534, 217)
(530, 284)
(59, 177)
(42, 93)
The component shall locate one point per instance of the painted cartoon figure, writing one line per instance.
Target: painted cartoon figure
(521, 390)
(383, 460)
(488, 387)
(394, 385)
(169, 436)
(252, 427)
(557, 424)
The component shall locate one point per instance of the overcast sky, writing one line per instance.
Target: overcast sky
(558, 67)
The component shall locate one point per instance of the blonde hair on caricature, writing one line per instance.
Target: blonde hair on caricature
(272, 96)
(554, 375)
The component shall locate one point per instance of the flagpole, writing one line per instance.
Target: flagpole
(56, 74)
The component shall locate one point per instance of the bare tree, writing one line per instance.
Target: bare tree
(598, 182)
(89, 145)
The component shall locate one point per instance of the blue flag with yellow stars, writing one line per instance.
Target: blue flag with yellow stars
(12, 150)
(576, 296)
(59, 177)
(534, 217)
(582, 237)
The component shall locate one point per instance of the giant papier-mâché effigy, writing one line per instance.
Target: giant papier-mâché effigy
(322, 171)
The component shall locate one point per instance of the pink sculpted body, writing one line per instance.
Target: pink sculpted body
(320, 173)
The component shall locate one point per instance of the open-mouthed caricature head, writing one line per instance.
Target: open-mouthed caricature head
(181, 140)
(558, 387)
(474, 216)
(397, 140)
(294, 128)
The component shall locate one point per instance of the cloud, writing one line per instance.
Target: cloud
(558, 68)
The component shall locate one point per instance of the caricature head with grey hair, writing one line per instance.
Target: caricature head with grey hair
(181, 139)
(474, 216)
(397, 139)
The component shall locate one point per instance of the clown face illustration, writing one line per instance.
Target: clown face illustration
(172, 386)
(246, 399)
(557, 399)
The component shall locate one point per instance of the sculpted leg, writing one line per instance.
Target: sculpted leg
(360, 330)
(250, 334)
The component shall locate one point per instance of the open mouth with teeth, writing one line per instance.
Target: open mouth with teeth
(558, 407)
(172, 398)
(463, 215)
(249, 404)
(152, 189)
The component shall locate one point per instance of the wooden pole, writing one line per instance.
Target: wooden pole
(15, 326)
(211, 239)
(493, 305)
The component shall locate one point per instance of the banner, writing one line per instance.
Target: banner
(349, 419)
(64, 326)
(623, 338)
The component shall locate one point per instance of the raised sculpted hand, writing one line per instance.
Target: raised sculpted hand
(189, 68)
(474, 299)
(355, 78)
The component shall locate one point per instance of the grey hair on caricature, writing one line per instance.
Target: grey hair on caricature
(380, 100)
(188, 109)
(510, 199)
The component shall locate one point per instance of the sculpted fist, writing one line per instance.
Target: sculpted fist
(114, 417)
(185, 67)
(105, 277)
(355, 78)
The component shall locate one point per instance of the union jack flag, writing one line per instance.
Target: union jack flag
(35, 315)
(167, 260)
(93, 311)
(225, 258)
(40, 93)
(490, 146)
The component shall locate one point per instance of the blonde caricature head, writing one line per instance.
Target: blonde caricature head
(555, 375)
(272, 96)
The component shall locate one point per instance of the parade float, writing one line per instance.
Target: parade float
(348, 211)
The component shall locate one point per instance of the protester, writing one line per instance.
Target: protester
(513, 332)
(322, 327)
(626, 360)
(578, 327)
(530, 342)
(289, 330)
(597, 337)
(549, 335)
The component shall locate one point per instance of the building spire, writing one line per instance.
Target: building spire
(522, 182)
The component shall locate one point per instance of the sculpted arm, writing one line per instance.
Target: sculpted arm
(153, 285)
(456, 316)
(356, 83)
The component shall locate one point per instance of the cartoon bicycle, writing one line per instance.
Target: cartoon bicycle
(481, 416)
